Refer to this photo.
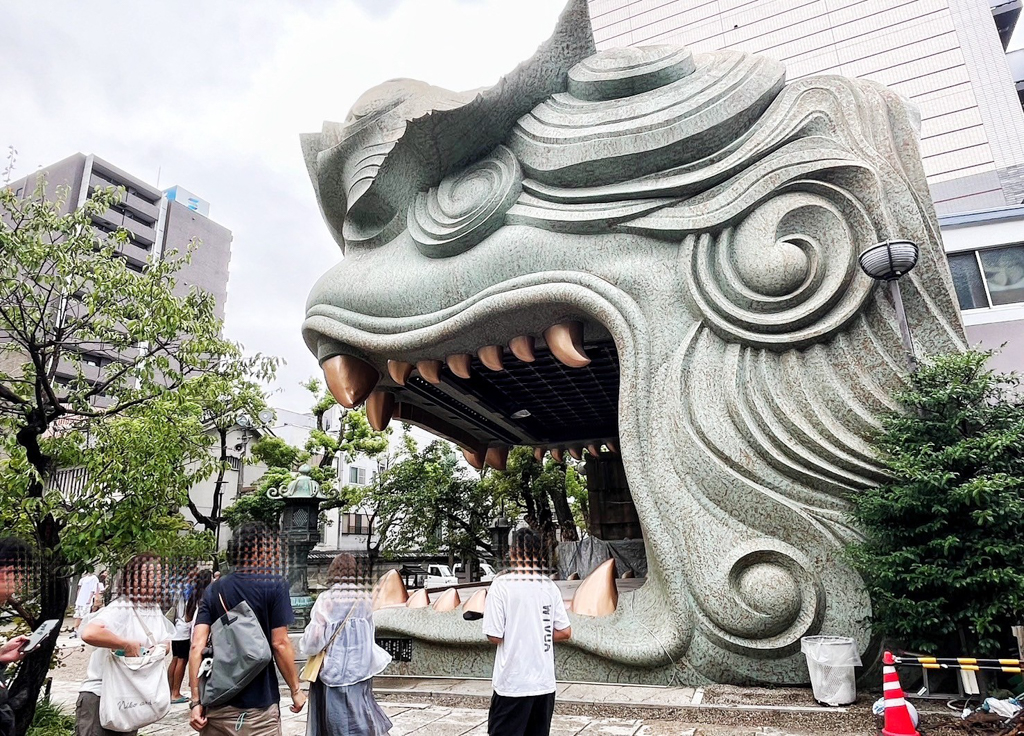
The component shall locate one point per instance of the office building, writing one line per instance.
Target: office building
(948, 57)
(158, 223)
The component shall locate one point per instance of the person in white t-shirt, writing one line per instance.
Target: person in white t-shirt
(129, 625)
(525, 616)
(87, 586)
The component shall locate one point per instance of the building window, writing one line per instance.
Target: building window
(355, 524)
(357, 476)
(991, 277)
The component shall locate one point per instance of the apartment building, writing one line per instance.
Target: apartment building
(158, 223)
(948, 57)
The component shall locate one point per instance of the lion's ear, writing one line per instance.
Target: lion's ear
(367, 172)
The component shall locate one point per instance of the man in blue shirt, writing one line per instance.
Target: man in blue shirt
(255, 553)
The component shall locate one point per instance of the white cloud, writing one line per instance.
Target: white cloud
(215, 98)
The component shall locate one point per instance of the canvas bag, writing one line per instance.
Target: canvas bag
(240, 653)
(134, 692)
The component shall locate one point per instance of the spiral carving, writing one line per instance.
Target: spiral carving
(775, 599)
(466, 207)
(787, 275)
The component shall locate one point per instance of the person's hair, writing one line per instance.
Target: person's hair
(249, 542)
(202, 581)
(133, 575)
(343, 569)
(526, 548)
(14, 553)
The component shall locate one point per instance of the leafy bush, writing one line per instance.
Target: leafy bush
(51, 720)
(943, 556)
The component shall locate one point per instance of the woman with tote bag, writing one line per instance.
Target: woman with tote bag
(125, 686)
(341, 701)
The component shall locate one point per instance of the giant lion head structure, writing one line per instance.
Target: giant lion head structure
(655, 252)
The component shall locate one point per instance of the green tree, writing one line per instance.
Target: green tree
(353, 436)
(943, 553)
(422, 501)
(134, 346)
(549, 493)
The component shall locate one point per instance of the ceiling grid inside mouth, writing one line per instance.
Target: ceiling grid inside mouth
(565, 404)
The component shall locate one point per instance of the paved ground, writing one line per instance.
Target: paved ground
(451, 707)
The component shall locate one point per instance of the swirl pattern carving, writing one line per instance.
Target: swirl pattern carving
(787, 274)
(466, 207)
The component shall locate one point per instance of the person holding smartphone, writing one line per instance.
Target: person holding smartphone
(14, 562)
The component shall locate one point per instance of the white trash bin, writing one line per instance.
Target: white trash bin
(830, 661)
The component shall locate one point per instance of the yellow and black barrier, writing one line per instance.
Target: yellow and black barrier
(970, 664)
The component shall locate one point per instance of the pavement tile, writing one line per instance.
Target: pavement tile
(611, 727)
(411, 720)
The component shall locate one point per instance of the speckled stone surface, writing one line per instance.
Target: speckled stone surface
(707, 216)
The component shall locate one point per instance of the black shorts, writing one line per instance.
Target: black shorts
(180, 647)
(527, 716)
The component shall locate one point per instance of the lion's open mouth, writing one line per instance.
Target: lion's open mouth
(544, 375)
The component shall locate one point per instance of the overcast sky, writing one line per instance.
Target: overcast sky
(213, 96)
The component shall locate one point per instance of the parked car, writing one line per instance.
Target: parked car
(439, 576)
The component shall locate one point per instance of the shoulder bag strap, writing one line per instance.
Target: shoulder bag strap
(149, 635)
(222, 603)
(338, 630)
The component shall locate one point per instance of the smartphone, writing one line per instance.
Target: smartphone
(39, 635)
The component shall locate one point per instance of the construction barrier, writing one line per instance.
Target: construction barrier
(970, 664)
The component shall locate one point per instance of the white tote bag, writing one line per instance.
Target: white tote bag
(134, 691)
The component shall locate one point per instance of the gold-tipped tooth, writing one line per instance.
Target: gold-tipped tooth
(597, 595)
(576, 453)
(497, 457)
(565, 341)
(475, 457)
(490, 356)
(593, 449)
(459, 365)
(350, 379)
(399, 371)
(557, 455)
(573, 576)
(538, 454)
(380, 408)
(522, 348)
(389, 591)
(447, 601)
(430, 370)
(628, 575)
(473, 609)
(613, 447)
(419, 599)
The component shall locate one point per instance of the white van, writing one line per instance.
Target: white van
(486, 571)
(439, 576)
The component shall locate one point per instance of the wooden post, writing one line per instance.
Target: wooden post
(1018, 631)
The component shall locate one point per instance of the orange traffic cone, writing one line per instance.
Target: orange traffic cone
(897, 717)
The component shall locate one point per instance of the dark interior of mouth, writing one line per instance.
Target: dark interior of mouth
(547, 404)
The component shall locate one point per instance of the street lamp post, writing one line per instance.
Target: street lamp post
(300, 530)
(889, 261)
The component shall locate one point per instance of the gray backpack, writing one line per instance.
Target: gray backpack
(240, 653)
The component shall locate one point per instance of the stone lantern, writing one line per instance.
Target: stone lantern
(300, 531)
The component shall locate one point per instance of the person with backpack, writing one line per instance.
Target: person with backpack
(254, 592)
(132, 627)
(341, 701)
(524, 615)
